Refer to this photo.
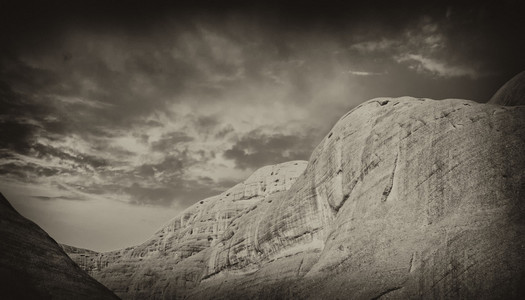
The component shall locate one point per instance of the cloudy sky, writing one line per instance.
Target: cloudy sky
(113, 119)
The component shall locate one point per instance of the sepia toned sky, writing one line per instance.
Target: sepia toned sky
(116, 117)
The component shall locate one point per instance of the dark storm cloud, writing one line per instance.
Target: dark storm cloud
(14, 170)
(146, 195)
(97, 71)
(17, 136)
(160, 183)
(29, 172)
(47, 198)
(175, 166)
(470, 24)
(207, 122)
(163, 190)
(257, 149)
(88, 93)
(223, 131)
(21, 119)
(174, 163)
(170, 140)
(149, 73)
(183, 192)
(81, 160)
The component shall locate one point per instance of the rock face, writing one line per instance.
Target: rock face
(511, 93)
(154, 268)
(404, 198)
(33, 266)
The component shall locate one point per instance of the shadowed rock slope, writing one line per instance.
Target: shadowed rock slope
(33, 266)
(404, 198)
(511, 93)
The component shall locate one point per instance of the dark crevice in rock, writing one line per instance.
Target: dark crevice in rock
(211, 274)
(388, 188)
(311, 232)
(347, 195)
(476, 118)
(300, 266)
(367, 169)
(383, 102)
(335, 266)
(421, 120)
(386, 292)
(445, 114)
(411, 264)
(410, 132)
(434, 172)
(228, 262)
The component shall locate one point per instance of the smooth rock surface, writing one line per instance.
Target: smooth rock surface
(404, 198)
(511, 93)
(33, 266)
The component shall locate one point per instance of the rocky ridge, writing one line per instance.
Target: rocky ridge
(151, 270)
(404, 198)
(33, 266)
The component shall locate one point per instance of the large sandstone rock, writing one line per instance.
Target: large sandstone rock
(511, 93)
(173, 261)
(33, 266)
(404, 198)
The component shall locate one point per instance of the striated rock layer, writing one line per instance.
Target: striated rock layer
(33, 266)
(404, 198)
(173, 260)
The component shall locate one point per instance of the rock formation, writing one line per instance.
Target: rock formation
(404, 198)
(511, 93)
(33, 266)
(151, 270)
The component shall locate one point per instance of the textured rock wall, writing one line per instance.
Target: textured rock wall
(404, 198)
(33, 266)
(153, 269)
(431, 201)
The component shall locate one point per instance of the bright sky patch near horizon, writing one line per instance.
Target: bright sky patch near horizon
(114, 120)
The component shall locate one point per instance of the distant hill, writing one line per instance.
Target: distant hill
(34, 266)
